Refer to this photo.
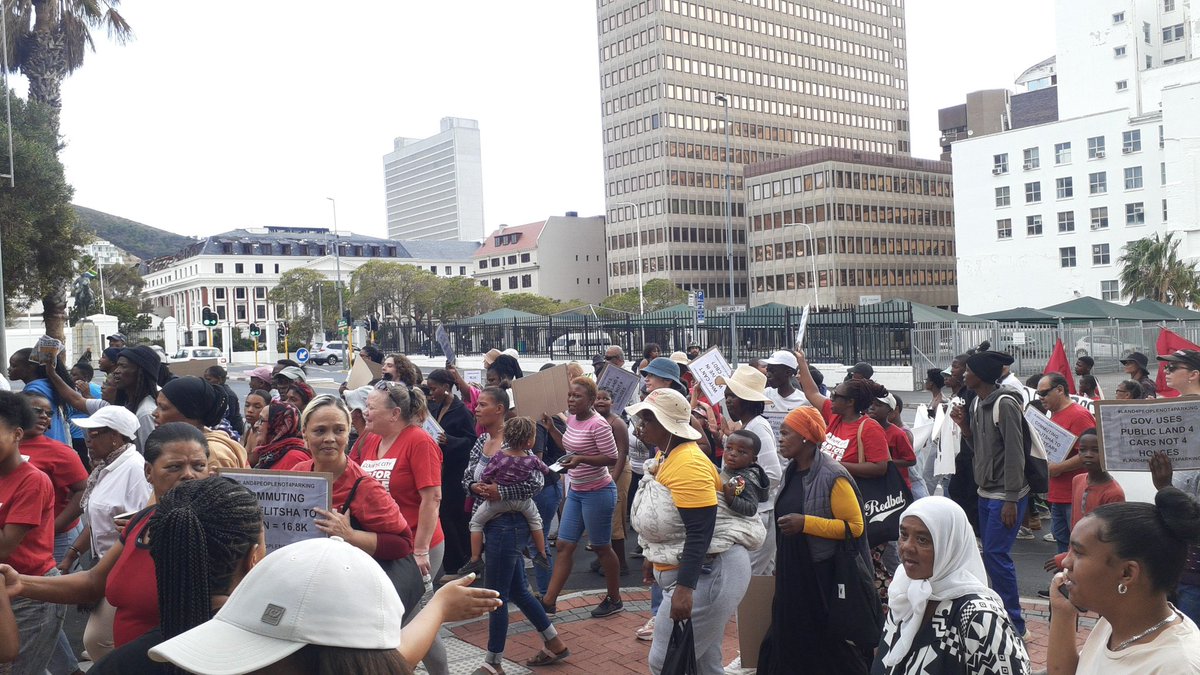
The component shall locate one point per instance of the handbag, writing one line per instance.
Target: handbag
(855, 614)
(403, 573)
(884, 500)
(681, 651)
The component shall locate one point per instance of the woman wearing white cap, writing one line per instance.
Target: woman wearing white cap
(745, 399)
(675, 514)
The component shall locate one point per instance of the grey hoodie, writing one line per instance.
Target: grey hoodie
(757, 489)
(999, 448)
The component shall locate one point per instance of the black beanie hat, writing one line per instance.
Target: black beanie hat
(143, 357)
(989, 365)
(196, 399)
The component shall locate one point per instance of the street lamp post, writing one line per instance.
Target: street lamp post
(637, 225)
(812, 254)
(724, 100)
(337, 257)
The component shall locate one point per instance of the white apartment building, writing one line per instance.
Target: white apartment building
(1044, 212)
(107, 253)
(561, 257)
(234, 272)
(434, 186)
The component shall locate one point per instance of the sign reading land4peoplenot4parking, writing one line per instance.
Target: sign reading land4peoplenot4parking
(1132, 431)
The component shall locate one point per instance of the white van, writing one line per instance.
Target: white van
(589, 341)
(197, 354)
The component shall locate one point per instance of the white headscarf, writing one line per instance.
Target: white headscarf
(957, 571)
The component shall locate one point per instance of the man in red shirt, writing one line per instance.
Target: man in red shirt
(1052, 390)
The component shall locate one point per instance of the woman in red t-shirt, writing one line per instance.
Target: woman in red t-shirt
(66, 471)
(845, 413)
(125, 577)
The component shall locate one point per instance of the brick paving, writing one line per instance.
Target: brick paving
(608, 645)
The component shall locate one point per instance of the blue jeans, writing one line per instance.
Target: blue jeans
(1188, 601)
(547, 505)
(590, 511)
(1060, 525)
(504, 537)
(997, 554)
(64, 661)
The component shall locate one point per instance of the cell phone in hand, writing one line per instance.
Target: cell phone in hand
(125, 516)
(557, 467)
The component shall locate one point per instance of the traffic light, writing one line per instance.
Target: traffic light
(346, 317)
(283, 329)
(254, 331)
(208, 317)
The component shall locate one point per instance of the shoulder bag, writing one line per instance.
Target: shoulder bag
(403, 573)
(855, 614)
(884, 499)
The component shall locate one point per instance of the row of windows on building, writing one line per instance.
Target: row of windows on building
(857, 277)
(689, 207)
(1131, 142)
(1101, 256)
(1135, 215)
(221, 306)
(853, 180)
(1120, 51)
(680, 263)
(497, 261)
(712, 290)
(764, 106)
(696, 151)
(526, 281)
(1064, 188)
(851, 213)
(684, 235)
(800, 248)
(631, 100)
(773, 133)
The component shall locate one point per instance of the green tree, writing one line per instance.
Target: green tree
(532, 303)
(459, 298)
(36, 219)
(657, 294)
(305, 293)
(1151, 268)
(122, 295)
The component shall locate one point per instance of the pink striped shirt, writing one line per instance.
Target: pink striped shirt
(592, 436)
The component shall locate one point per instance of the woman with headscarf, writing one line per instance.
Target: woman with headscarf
(944, 618)
(817, 503)
(282, 446)
(200, 404)
(136, 379)
(34, 375)
(299, 393)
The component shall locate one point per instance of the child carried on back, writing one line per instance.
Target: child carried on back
(743, 481)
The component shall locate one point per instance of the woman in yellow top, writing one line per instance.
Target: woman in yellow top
(679, 542)
(817, 502)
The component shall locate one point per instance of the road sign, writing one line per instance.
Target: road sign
(699, 306)
(731, 309)
(302, 355)
(342, 323)
(1018, 339)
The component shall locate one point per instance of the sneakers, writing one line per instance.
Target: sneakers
(1044, 593)
(1024, 533)
(608, 607)
(1048, 537)
(540, 560)
(637, 553)
(735, 667)
(475, 566)
(646, 632)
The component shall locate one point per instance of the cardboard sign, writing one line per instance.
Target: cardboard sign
(803, 326)
(754, 618)
(431, 427)
(706, 368)
(775, 419)
(360, 374)
(622, 383)
(544, 392)
(1132, 431)
(287, 499)
(1056, 440)
(194, 368)
(474, 377)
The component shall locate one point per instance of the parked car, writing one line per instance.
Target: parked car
(589, 342)
(197, 354)
(328, 353)
(1104, 347)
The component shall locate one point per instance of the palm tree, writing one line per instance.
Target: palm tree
(48, 40)
(1151, 268)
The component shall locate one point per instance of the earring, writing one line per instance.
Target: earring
(1122, 589)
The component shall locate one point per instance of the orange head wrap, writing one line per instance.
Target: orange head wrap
(807, 422)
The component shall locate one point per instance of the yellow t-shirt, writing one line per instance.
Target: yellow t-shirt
(692, 479)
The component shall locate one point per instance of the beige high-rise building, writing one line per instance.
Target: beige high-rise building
(789, 77)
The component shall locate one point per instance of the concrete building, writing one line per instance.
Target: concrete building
(1044, 212)
(561, 257)
(788, 76)
(434, 185)
(992, 111)
(105, 252)
(234, 272)
(866, 227)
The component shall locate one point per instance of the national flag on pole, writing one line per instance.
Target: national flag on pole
(1059, 364)
(1168, 342)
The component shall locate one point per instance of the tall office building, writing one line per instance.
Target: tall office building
(435, 185)
(789, 77)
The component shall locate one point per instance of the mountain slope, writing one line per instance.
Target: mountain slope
(140, 240)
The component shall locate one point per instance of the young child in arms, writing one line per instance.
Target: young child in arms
(744, 482)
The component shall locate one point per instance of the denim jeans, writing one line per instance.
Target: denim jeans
(1060, 525)
(1188, 601)
(997, 554)
(38, 626)
(63, 662)
(591, 512)
(504, 537)
(547, 504)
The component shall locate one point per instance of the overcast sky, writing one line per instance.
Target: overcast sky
(232, 114)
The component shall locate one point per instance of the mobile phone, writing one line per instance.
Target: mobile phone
(557, 467)
(1066, 592)
(125, 516)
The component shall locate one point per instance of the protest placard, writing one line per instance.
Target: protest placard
(542, 392)
(431, 427)
(1056, 441)
(622, 383)
(803, 326)
(1132, 431)
(360, 374)
(193, 368)
(706, 368)
(948, 437)
(287, 499)
(775, 418)
(474, 377)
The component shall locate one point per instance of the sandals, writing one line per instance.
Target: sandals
(545, 657)
(488, 669)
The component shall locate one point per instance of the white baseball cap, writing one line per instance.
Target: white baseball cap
(783, 358)
(325, 592)
(889, 401)
(356, 399)
(114, 417)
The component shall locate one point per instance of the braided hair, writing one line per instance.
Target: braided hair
(863, 393)
(519, 433)
(200, 533)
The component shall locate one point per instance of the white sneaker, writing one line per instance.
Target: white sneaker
(646, 632)
(735, 667)
(1048, 537)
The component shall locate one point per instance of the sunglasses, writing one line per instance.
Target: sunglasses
(42, 412)
(611, 358)
(1044, 394)
(1172, 367)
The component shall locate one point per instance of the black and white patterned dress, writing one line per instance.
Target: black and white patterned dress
(971, 635)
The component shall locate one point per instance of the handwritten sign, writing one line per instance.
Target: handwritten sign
(706, 368)
(287, 499)
(622, 383)
(474, 377)
(775, 419)
(1131, 431)
(1056, 440)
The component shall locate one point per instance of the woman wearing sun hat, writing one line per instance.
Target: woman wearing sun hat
(664, 372)
(745, 399)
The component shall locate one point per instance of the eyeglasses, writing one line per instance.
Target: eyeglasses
(42, 412)
(1172, 367)
(1044, 394)
(611, 358)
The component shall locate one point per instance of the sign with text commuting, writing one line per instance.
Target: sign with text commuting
(1056, 440)
(1132, 431)
(287, 499)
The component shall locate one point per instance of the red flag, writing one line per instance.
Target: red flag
(1059, 364)
(1168, 342)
